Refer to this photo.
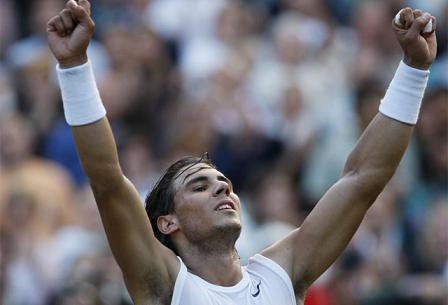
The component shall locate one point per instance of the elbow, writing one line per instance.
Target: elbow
(370, 182)
(106, 180)
(376, 174)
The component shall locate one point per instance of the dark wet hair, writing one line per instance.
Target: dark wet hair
(160, 201)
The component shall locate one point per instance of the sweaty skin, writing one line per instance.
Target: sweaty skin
(207, 246)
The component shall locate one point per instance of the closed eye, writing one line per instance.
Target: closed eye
(200, 188)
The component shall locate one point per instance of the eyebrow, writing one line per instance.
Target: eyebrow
(194, 172)
(206, 178)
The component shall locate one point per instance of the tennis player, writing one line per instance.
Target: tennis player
(181, 250)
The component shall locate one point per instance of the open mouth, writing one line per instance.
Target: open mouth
(226, 205)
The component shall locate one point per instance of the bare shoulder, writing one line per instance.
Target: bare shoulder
(284, 253)
(281, 252)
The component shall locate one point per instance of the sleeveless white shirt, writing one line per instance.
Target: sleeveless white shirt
(264, 282)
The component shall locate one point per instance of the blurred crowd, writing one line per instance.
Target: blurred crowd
(277, 91)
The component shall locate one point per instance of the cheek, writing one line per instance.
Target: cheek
(193, 209)
(194, 221)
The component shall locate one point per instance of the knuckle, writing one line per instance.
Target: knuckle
(83, 11)
(407, 10)
(66, 12)
(407, 39)
(421, 21)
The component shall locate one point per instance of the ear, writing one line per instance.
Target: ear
(167, 224)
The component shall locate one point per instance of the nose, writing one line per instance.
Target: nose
(222, 187)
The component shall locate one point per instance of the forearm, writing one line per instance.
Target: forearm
(382, 145)
(98, 154)
(85, 113)
(378, 152)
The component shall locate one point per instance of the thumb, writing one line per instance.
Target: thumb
(418, 25)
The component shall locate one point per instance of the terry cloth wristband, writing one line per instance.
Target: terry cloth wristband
(80, 96)
(405, 93)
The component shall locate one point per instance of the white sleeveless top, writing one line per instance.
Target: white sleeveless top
(264, 282)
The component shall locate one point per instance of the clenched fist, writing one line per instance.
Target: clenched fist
(69, 33)
(419, 48)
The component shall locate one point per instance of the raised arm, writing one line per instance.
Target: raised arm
(144, 261)
(308, 251)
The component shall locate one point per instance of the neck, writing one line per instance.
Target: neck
(217, 265)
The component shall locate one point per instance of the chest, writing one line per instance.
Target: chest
(255, 293)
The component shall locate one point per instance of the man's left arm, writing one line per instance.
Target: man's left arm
(308, 251)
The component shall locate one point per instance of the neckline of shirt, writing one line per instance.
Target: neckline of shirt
(241, 285)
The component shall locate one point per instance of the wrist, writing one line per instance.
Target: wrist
(71, 62)
(80, 96)
(420, 66)
(403, 98)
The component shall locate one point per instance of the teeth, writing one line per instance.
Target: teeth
(224, 206)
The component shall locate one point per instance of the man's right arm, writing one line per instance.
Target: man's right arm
(143, 260)
(149, 268)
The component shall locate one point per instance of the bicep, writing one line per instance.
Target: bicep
(130, 236)
(308, 251)
(328, 229)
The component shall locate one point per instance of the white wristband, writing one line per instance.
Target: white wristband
(80, 96)
(405, 93)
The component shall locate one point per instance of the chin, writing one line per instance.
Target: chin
(226, 229)
(231, 229)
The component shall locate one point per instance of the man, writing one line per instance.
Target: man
(185, 254)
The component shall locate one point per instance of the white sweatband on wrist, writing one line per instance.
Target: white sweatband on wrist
(81, 99)
(405, 93)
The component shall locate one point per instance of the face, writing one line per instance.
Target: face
(205, 204)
